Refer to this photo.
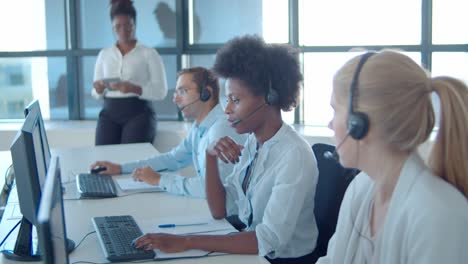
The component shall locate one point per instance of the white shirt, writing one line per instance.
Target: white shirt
(192, 151)
(141, 66)
(426, 221)
(280, 196)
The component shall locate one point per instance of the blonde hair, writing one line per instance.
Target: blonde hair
(449, 154)
(395, 93)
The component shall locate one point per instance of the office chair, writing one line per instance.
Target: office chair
(332, 182)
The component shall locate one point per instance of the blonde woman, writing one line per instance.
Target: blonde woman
(400, 209)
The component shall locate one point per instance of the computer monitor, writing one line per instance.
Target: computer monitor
(51, 220)
(34, 106)
(30, 172)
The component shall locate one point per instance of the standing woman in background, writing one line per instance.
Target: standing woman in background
(400, 209)
(129, 76)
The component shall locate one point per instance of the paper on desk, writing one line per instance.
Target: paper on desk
(193, 253)
(212, 225)
(129, 184)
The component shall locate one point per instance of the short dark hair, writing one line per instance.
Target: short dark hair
(202, 76)
(122, 7)
(257, 64)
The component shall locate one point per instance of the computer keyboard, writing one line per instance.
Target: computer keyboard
(116, 234)
(96, 186)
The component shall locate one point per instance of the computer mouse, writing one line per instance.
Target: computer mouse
(98, 169)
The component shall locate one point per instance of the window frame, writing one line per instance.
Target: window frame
(73, 53)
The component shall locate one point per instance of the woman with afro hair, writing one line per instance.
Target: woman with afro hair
(128, 76)
(273, 184)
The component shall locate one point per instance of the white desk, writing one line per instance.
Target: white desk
(143, 207)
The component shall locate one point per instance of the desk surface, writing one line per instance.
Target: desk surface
(143, 207)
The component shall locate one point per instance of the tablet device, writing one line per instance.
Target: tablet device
(108, 81)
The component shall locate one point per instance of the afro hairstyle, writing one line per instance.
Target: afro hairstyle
(257, 64)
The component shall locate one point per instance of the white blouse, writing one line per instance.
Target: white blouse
(279, 202)
(141, 66)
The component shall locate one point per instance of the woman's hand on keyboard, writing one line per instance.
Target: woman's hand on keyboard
(164, 242)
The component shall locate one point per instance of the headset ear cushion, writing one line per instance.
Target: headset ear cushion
(205, 94)
(272, 97)
(358, 125)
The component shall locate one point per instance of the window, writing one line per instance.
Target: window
(359, 22)
(27, 27)
(92, 106)
(155, 25)
(319, 69)
(265, 18)
(45, 62)
(449, 22)
(25, 79)
(453, 64)
(166, 109)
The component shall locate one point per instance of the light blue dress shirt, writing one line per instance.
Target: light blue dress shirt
(279, 202)
(191, 151)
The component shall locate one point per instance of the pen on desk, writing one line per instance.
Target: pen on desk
(162, 170)
(175, 225)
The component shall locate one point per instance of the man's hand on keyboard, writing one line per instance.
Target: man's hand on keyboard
(164, 242)
(111, 168)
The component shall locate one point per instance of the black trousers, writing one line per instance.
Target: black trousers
(126, 120)
(307, 259)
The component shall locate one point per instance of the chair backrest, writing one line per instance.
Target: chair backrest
(332, 183)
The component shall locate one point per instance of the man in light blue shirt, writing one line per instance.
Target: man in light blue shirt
(197, 96)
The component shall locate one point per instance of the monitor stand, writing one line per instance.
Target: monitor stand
(23, 250)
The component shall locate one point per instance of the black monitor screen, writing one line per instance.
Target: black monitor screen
(41, 164)
(29, 166)
(30, 171)
(34, 107)
(51, 220)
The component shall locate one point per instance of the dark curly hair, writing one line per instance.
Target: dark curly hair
(122, 7)
(255, 63)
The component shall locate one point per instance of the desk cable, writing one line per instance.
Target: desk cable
(81, 241)
(120, 195)
(133, 193)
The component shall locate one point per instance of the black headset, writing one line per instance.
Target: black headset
(358, 122)
(205, 94)
(272, 96)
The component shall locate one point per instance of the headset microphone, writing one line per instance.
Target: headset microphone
(189, 104)
(358, 122)
(237, 121)
(334, 154)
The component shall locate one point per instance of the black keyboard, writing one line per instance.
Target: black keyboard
(96, 186)
(116, 234)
